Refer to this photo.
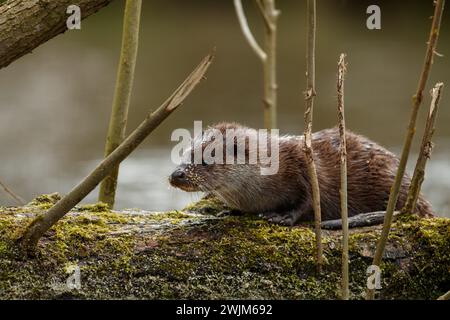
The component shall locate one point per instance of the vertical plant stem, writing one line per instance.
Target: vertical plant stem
(307, 146)
(417, 100)
(122, 94)
(267, 56)
(270, 15)
(425, 151)
(247, 32)
(36, 229)
(343, 190)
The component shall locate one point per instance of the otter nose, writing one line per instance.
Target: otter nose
(177, 175)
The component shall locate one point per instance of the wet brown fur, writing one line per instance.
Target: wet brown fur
(286, 196)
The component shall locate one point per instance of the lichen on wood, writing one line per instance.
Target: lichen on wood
(201, 252)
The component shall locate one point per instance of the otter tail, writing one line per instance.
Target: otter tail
(358, 221)
(423, 209)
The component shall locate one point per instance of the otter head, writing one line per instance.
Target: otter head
(204, 165)
(193, 177)
(225, 162)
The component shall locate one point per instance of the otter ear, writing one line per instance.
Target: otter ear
(224, 126)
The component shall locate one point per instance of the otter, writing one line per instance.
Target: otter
(285, 197)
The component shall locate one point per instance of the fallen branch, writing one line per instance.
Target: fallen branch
(425, 152)
(26, 24)
(307, 146)
(417, 100)
(122, 94)
(343, 189)
(195, 254)
(12, 194)
(41, 224)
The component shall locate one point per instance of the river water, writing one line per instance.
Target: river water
(56, 101)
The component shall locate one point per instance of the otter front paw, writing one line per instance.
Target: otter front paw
(284, 219)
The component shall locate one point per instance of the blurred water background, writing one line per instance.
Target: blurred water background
(55, 103)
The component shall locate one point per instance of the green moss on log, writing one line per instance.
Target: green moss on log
(200, 253)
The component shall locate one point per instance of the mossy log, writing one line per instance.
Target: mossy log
(202, 252)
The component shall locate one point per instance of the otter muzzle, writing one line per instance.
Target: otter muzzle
(179, 179)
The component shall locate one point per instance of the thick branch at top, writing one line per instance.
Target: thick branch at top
(26, 24)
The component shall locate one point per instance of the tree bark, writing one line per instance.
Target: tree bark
(197, 253)
(26, 24)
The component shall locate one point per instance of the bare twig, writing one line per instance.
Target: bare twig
(267, 56)
(20, 201)
(270, 66)
(417, 100)
(122, 94)
(445, 296)
(246, 31)
(307, 146)
(343, 189)
(42, 223)
(262, 10)
(425, 152)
